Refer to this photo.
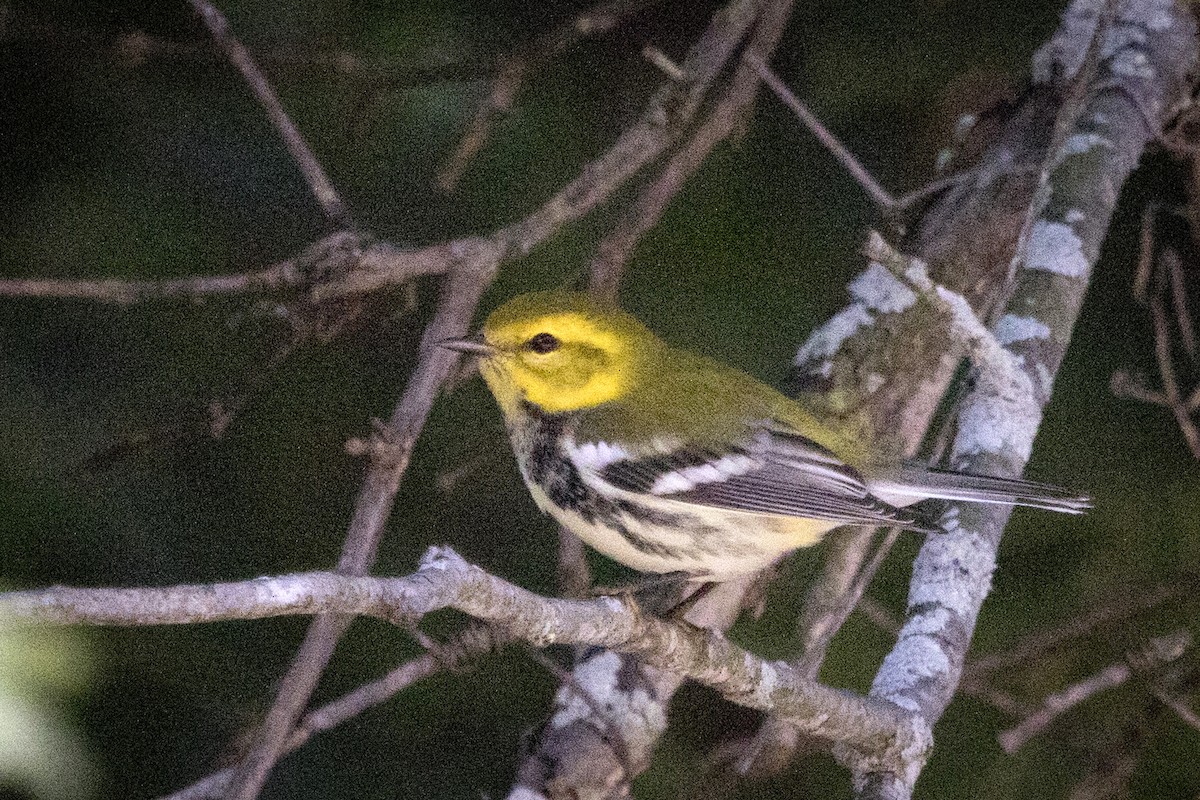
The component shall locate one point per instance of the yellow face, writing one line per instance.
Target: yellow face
(560, 352)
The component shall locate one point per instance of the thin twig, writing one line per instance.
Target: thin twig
(510, 78)
(574, 576)
(136, 48)
(882, 199)
(124, 292)
(1166, 367)
(1058, 703)
(1146, 660)
(1145, 260)
(1134, 387)
(1183, 315)
(471, 643)
(310, 167)
(663, 62)
(1130, 602)
(339, 265)
(615, 250)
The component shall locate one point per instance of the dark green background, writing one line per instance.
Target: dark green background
(114, 167)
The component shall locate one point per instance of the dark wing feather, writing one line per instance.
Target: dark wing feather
(775, 471)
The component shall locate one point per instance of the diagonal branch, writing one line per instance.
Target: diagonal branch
(1099, 135)
(314, 174)
(469, 644)
(502, 94)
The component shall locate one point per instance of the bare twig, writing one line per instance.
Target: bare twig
(1128, 603)
(513, 71)
(310, 167)
(472, 642)
(1179, 300)
(1123, 384)
(1166, 368)
(615, 250)
(1160, 281)
(338, 265)
(1145, 260)
(882, 199)
(574, 577)
(663, 62)
(1157, 652)
(124, 291)
(136, 48)
(1058, 703)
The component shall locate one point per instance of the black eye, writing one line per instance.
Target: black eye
(542, 343)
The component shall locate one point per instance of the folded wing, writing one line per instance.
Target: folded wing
(773, 471)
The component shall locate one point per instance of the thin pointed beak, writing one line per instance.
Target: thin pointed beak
(474, 345)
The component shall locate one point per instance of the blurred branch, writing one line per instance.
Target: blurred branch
(326, 263)
(1158, 284)
(1056, 704)
(1155, 654)
(865, 729)
(136, 48)
(883, 201)
(1132, 601)
(514, 70)
(466, 646)
(616, 248)
(123, 292)
(329, 198)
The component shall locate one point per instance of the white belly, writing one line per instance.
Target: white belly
(710, 543)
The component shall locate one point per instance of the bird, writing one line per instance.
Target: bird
(668, 461)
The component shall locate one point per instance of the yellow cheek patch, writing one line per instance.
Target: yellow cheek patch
(552, 396)
(589, 368)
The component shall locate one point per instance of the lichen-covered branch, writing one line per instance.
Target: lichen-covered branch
(1141, 52)
(882, 364)
(868, 732)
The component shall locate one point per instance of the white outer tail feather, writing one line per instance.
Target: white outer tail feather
(911, 483)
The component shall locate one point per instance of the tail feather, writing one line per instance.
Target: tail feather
(911, 483)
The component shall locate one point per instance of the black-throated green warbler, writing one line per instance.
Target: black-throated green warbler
(667, 461)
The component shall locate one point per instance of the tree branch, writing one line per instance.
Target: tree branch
(1099, 141)
(867, 731)
(469, 644)
(314, 174)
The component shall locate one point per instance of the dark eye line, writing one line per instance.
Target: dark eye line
(543, 343)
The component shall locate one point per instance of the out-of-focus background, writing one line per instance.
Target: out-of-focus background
(129, 148)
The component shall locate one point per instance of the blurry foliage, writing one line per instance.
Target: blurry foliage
(118, 163)
(43, 753)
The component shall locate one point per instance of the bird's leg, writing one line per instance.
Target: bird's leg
(670, 594)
